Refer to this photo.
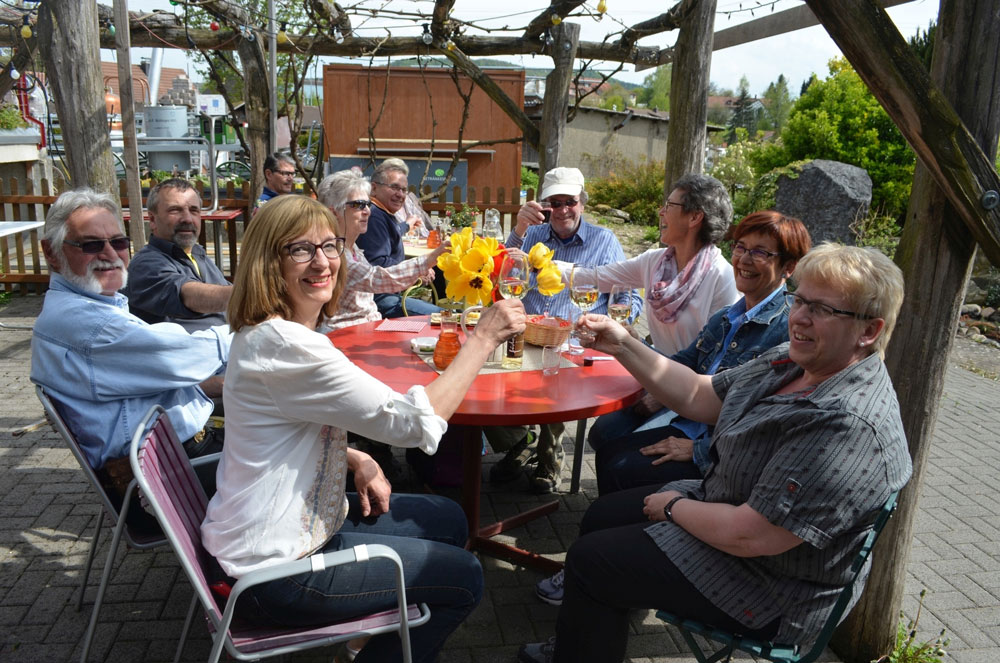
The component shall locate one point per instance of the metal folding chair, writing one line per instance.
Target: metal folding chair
(772, 651)
(109, 512)
(168, 482)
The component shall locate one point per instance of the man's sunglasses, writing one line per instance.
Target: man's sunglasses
(97, 245)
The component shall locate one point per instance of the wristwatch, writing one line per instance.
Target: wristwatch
(669, 506)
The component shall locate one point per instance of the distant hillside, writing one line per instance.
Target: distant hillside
(489, 63)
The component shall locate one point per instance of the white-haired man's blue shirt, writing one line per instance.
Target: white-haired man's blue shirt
(105, 368)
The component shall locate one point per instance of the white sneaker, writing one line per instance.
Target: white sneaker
(550, 590)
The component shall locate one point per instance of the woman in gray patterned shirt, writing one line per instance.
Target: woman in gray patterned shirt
(808, 445)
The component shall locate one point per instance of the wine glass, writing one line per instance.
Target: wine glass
(583, 293)
(513, 284)
(620, 303)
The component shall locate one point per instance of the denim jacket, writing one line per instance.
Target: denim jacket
(757, 335)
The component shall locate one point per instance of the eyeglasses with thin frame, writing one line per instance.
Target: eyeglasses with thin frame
(394, 187)
(668, 203)
(358, 204)
(757, 255)
(819, 309)
(306, 251)
(559, 204)
(284, 173)
(92, 246)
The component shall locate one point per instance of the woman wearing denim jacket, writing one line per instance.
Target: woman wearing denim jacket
(766, 247)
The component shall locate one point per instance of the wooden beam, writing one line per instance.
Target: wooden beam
(543, 21)
(867, 37)
(493, 91)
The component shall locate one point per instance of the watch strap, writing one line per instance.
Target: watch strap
(670, 506)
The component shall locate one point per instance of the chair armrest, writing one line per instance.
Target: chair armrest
(206, 459)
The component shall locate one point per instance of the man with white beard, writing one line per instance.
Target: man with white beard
(102, 366)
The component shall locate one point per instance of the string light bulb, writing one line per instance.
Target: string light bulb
(427, 37)
(282, 35)
(214, 26)
(111, 29)
(14, 73)
(338, 36)
(556, 19)
(602, 7)
(26, 28)
(450, 45)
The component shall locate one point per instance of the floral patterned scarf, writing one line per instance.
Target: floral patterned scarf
(671, 293)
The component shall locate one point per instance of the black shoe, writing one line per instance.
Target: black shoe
(538, 652)
(514, 462)
(548, 475)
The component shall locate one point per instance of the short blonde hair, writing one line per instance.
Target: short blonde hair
(872, 284)
(259, 290)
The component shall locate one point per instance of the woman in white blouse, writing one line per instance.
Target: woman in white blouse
(290, 399)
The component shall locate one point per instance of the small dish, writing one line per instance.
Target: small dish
(423, 345)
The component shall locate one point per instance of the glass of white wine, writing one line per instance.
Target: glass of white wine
(513, 284)
(583, 293)
(620, 303)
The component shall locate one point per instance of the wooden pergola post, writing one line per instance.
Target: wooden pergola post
(137, 226)
(566, 39)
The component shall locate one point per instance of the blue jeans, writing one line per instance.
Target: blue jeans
(614, 425)
(621, 466)
(391, 306)
(427, 532)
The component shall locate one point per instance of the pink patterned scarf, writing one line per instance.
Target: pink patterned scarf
(671, 293)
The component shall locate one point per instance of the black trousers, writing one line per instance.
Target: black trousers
(615, 567)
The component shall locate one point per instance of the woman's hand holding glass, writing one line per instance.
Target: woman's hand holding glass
(601, 333)
(583, 293)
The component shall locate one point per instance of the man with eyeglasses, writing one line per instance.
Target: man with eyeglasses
(279, 177)
(382, 243)
(573, 240)
(104, 367)
(171, 278)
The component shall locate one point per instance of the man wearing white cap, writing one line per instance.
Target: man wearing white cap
(573, 240)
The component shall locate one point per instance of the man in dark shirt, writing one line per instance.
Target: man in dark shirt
(171, 279)
(279, 177)
(382, 243)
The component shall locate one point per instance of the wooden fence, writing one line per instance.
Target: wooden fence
(23, 268)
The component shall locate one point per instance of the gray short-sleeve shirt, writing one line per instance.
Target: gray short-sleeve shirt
(819, 464)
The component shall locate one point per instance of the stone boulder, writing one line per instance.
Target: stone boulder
(828, 196)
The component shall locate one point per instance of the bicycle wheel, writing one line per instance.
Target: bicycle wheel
(233, 168)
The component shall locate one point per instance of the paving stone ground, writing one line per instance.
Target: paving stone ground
(48, 513)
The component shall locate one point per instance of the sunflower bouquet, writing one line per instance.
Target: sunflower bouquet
(472, 266)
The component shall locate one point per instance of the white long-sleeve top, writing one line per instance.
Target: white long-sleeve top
(290, 397)
(717, 289)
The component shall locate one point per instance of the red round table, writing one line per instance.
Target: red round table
(495, 399)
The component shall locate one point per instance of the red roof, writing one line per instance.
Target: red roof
(109, 75)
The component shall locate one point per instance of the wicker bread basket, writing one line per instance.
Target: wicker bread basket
(542, 331)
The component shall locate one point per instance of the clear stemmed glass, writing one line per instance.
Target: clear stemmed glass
(583, 293)
(620, 303)
(513, 284)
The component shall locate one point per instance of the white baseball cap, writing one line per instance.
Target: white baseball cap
(562, 182)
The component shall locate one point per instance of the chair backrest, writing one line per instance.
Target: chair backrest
(171, 487)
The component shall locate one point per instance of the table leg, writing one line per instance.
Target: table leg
(479, 537)
(581, 430)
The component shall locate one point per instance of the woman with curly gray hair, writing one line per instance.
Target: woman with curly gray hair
(346, 194)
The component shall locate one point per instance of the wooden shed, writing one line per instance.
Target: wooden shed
(410, 125)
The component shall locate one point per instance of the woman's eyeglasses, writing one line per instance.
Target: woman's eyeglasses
(306, 251)
(358, 204)
(818, 309)
(757, 255)
(97, 245)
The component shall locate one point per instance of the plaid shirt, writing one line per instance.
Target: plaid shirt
(357, 304)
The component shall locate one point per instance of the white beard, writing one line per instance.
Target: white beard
(88, 281)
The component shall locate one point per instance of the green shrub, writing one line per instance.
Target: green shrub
(10, 117)
(652, 233)
(877, 230)
(636, 188)
(761, 195)
(529, 179)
